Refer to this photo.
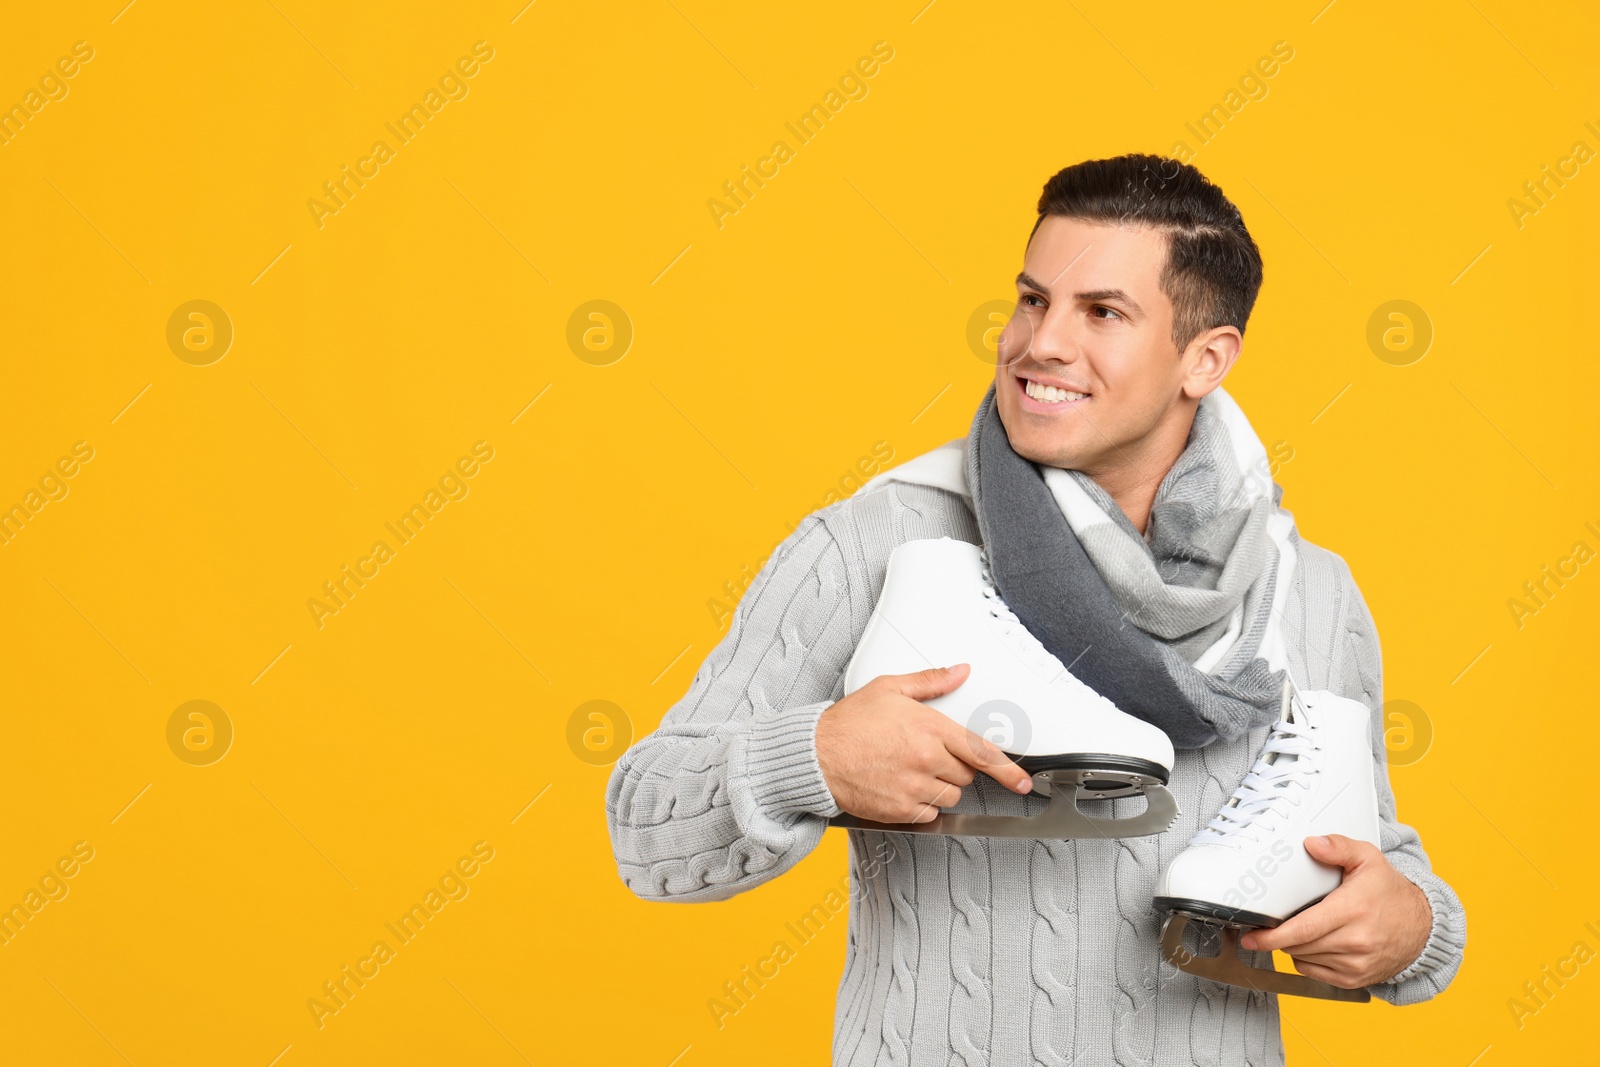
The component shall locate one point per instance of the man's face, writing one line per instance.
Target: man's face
(1091, 319)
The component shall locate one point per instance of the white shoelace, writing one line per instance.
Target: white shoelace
(1013, 627)
(1270, 787)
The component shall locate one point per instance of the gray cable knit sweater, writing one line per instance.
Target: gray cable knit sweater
(969, 950)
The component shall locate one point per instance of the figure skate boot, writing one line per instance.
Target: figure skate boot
(939, 606)
(1248, 869)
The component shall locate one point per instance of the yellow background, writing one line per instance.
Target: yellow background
(769, 356)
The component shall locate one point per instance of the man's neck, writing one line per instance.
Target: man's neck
(1137, 472)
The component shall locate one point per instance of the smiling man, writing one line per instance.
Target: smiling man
(1099, 476)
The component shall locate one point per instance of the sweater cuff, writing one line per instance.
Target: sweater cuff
(781, 763)
(1444, 945)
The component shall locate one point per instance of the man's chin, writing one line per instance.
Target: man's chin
(1036, 445)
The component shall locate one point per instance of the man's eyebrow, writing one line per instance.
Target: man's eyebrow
(1117, 295)
(1120, 296)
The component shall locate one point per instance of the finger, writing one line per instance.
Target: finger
(982, 754)
(946, 794)
(1338, 961)
(1337, 850)
(933, 795)
(934, 759)
(1322, 973)
(942, 794)
(1316, 921)
(925, 685)
(1338, 943)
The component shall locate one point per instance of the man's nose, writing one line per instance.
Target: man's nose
(1056, 337)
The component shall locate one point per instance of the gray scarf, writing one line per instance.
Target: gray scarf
(1204, 656)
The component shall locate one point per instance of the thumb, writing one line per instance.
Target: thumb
(933, 682)
(1337, 850)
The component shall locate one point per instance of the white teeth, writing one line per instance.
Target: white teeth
(1050, 394)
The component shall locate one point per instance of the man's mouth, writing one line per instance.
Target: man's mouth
(1050, 394)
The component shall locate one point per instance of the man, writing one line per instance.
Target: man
(1136, 287)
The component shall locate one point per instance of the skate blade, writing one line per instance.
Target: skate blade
(1229, 968)
(1060, 820)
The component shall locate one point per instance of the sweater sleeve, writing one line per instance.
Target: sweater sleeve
(727, 793)
(1440, 959)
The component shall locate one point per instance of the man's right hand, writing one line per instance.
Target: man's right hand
(890, 758)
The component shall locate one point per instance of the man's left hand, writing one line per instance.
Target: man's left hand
(1367, 931)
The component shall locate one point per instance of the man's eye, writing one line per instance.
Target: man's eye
(1109, 311)
(1025, 297)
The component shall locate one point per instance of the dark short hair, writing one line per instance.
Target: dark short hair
(1213, 268)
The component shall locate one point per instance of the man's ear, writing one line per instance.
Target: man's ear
(1209, 358)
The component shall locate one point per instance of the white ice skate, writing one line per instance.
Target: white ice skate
(939, 607)
(1247, 869)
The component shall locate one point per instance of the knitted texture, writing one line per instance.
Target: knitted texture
(967, 951)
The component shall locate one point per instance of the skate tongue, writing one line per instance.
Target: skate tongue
(1265, 791)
